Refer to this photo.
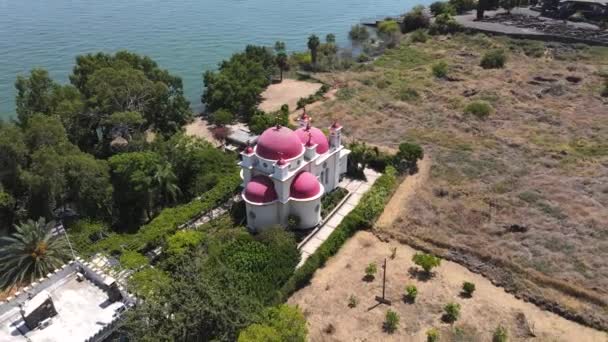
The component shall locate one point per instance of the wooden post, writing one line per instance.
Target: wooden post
(383, 300)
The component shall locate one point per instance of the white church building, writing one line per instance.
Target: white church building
(288, 171)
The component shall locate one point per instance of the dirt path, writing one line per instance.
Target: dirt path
(325, 302)
(404, 193)
(287, 92)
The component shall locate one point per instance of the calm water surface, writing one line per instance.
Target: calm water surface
(184, 36)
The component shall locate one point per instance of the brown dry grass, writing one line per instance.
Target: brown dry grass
(325, 302)
(540, 160)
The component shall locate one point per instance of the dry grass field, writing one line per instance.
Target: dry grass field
(325, 302)
(520, 196)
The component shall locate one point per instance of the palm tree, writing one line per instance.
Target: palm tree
(282, 63)
(164, 182)
(31, 253)
(313, 45)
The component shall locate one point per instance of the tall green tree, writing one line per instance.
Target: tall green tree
(281, 323)
(34, 94)
(132, 175)
(164, 182)
(13, 155)
(313, 46)
(30, 253)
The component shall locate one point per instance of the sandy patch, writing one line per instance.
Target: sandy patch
(202, 129)
(404, 193)
(325, 302)
(287, 92)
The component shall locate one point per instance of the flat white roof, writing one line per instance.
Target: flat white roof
(83, 309)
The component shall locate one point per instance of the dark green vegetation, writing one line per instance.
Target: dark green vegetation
(228, 277)
(414, 20)
(30, 253)
(363, 156)
(479, 109)
(451, 312)
(331, 200)
(468, 288)
(81, 153)
(426, 261)
(391, 321)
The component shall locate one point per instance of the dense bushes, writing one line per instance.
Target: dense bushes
(444, 24)
(317, 96)
(330, 200)
(281, 323)
(479, 109)
(419, 36)
(462, 6)
(441, 7)
(494, 59)
(361, 217)
(414, 20)
(167, 222)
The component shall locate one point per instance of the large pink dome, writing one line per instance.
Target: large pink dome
(260, 189)
(277, 142)
(305, 185)
(318, 138)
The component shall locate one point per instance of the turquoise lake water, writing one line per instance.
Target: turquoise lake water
(184, 36)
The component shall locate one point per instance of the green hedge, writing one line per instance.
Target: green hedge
(363, 216)
(166, 223)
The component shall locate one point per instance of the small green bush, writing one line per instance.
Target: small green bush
(411, 292)
(414, 20)
(441, 7)
(440, 69)
(468, 288)
(419, 36)
(293, 221)
(370, 271)
(408, 94)
(426, 261)
(132, 260)
(353, 301)
(391, 321)
(605, 91)
(494, 59)
(479, 109)
(500, 334)
(451, 312)
(445, 24)
(432, 335)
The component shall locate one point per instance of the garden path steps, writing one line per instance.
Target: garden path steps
(356, 188)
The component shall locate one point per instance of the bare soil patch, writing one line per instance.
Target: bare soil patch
(520, 196)
(325, 302)
(287, 92)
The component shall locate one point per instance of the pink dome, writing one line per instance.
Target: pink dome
(305, 185)
(277, 142)
(260, 189)
(317, 138)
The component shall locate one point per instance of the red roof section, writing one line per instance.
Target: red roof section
(260, 189)
(318, 138)
(277, 142)
(305, 185)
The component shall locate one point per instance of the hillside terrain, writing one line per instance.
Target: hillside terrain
(519, 195)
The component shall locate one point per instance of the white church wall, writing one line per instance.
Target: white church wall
(309, 212)
(262, 216)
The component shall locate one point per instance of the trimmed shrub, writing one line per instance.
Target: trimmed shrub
(370, 271)
(149, 282)
(451, 312)
(419, 36)
(440, 69)
(500, 334)
(468, 288)
(494, 59)
(391, 321)
(353, 222)
(353, 301)
(441, 7)
(411, 292)
(414, 20)
(432, 335)
(479, 109)
(426, 261)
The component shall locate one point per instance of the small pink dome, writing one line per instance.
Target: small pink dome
(318, 138)
(305, 185)
(277, 142)
(260, 189)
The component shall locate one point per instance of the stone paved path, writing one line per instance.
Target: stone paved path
(356, 189)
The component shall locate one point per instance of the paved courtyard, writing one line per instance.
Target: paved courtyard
(356, 189)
